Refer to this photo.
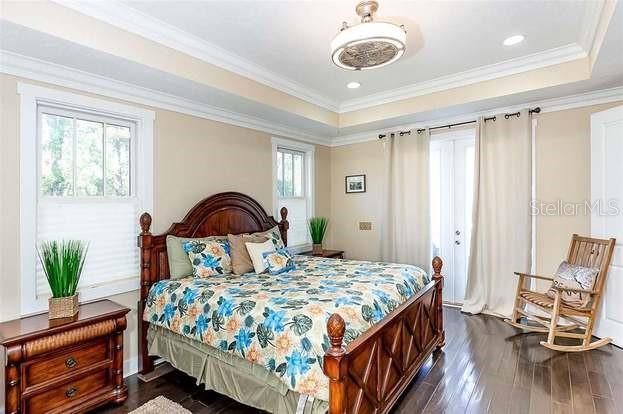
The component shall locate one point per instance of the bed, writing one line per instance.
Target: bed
(333, 335)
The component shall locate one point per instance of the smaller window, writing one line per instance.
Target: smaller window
(290, 173)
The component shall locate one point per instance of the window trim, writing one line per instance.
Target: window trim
(31, 98)
(309, 180)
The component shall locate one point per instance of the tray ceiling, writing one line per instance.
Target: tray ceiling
(290, 39)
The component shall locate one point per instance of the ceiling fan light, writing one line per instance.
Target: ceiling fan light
(368, 45)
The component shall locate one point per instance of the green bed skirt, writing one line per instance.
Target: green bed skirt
(227, 374)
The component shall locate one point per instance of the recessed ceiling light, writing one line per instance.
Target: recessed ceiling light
(353, 85)
(513, 40)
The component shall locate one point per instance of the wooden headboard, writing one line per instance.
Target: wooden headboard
(220, 214)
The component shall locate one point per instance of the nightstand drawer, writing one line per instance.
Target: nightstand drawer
(67, 394)
(50, 368)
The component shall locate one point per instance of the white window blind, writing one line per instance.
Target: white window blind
(293, 188)
(110, 229)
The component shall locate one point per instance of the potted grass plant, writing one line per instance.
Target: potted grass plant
(62, 264)
(317, 230)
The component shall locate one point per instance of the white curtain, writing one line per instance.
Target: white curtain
(502, 232)
(405, 231)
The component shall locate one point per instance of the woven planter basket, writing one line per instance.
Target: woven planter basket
(63, 307)
(317, 249)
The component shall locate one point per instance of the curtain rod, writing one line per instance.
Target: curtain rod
(536, 110)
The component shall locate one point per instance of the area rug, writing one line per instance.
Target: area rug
(160, 405)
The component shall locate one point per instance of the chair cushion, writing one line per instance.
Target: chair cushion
(574, 276)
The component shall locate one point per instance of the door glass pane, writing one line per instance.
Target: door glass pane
(287, 175)
(469, 196)
(56, 155)
(435, 201)
(89, 158)
(117, 161)
(280, 173)
(298, 175)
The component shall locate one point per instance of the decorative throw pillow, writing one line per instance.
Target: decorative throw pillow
(240, 260)
(279, 261)
(274, 235)
(255, 252)
(179, 265)
(574, 276)
(209, 258)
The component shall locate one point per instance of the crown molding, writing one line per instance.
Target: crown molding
(39, 70)
(134, 21)
(590, 23)
(547, 105)
(484, 73)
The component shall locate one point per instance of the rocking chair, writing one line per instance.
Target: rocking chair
(583, 251)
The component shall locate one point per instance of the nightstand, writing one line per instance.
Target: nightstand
(65, 365)
(334, 254)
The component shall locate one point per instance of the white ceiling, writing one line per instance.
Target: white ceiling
(291, 39)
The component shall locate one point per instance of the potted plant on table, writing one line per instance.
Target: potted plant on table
(62, 264)
(317, 229)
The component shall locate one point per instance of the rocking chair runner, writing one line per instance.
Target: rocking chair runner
(583, 251)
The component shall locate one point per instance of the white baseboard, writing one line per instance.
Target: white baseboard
(130, 367)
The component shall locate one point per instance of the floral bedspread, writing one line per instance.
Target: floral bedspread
(280, 321)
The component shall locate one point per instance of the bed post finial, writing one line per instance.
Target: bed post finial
(145, 222)
(336, 364)
(284, 225)
(437, 265)
(336, 328)
(438, 278)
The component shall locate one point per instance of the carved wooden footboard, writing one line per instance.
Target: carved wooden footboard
(371, 373)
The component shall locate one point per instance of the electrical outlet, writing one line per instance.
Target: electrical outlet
(365, 225)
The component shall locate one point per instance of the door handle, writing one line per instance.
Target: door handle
(457, 232)
(457, 242)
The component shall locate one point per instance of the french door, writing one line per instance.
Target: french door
(606, 189)
(452, 187)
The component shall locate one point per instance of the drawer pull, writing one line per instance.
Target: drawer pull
(71, 392)
(71, 362)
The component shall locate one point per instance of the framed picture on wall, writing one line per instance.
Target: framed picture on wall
(355, 183)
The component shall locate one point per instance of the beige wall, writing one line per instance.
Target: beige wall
(193, 158)
(347, 210)
(563, 172)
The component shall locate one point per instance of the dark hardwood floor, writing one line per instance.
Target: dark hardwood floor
(485, 367)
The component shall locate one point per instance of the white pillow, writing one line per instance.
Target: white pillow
(255, 253)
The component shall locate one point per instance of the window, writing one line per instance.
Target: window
(293, 188)
(290, 173)
(87, 174)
